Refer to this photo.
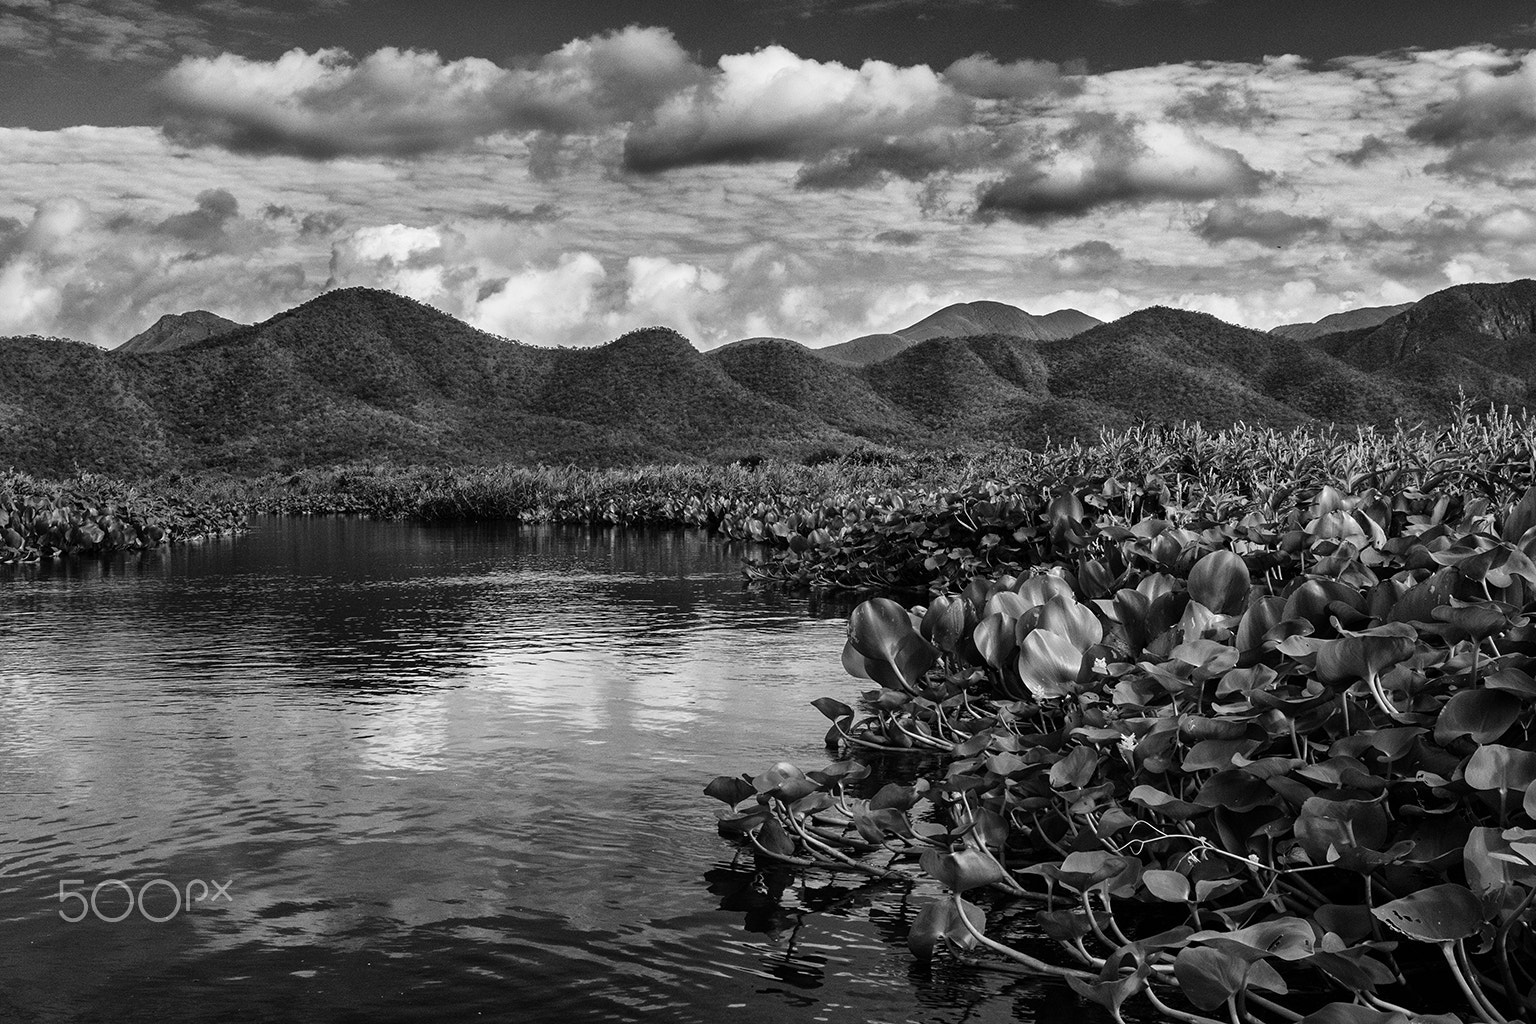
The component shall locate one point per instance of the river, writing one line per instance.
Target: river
(360, 771)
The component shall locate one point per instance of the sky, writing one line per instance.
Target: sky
(560, 173)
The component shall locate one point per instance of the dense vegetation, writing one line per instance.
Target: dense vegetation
(91, 515)
(358, 372)
(1247, 730)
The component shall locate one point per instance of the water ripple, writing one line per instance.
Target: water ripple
(445, 774)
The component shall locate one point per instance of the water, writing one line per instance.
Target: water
(443, 774)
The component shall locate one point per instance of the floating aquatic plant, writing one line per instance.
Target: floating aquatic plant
(1265, 756)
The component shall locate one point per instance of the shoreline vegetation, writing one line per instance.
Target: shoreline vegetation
(869, 518)
(1249, 743)
(1240, 719)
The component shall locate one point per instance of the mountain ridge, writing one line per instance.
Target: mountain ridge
(961, 320)
(178, 330)
(361, 374)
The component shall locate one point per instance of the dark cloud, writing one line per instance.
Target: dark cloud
(1228, 220)
(1489, 128)
(204, 224)
(319, 225)
(898, 237)
(1371, 148)
(541, 213)
(1119, 161)
(145, 32)
(1093, 258)
(274, 211)
(1218, 103)
(11, 231)
(913, 158)
(981, 76)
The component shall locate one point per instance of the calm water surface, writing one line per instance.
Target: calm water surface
(444, 773)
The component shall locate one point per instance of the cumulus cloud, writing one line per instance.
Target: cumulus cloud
(477, 232)
(1508, 224)
(985, 78)
(398, 257)
(672, 293)
(1229, 220)
(544, 303)
(78, 272)
(1489, 127)
(1105, 161)
(396, 102)
(774, 105)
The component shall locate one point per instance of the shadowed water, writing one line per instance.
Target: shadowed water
(445, 774)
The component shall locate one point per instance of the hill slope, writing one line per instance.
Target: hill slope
(178, 330)
(864, 350)
(794, 376)
(1348, 320)
(1164, 364)
(1479, 337)
(960, 320)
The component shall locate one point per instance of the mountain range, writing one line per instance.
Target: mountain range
(961, 320)
(364, 375)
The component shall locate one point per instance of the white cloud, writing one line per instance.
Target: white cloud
(672, 294)
(407, 102)
(774, 105)
(730, 249)
(538, 304)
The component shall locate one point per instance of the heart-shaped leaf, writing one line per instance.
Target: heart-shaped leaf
(939, 922)
(836, 710)
(1495, 766)
(1484, 715)
(1441, 913)
(1169, 886)
(1209, 977)
(993, 637)
(963, 869)
(1220, 581)
(944, 623)
(1076, 769)
(1049, 664)
(881, 631)
(1078, 624)
(1353, 1013)
(730, 789)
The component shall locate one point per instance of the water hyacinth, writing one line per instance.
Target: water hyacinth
(1264, 755)
(96, 515)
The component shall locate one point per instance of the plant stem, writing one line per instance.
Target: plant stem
(1483, 1014)
(1039, 966)
(1178, 1015)
(1477, 988)
(1501, 945)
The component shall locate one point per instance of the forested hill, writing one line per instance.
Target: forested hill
(363, 374)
